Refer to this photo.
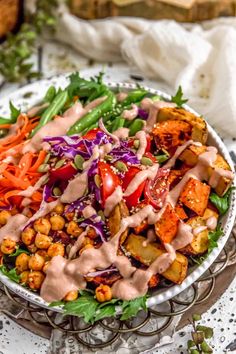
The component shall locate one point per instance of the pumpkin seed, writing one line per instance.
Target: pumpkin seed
(57, 192)
(97, 180)
(146, 161)
(59, 163)
(136, 144)
(121, 166)
(100, 213)
(108, 158)
(78, 161)
(43, 168)
(47, 158)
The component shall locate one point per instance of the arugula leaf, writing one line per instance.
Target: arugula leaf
(56, 303)
(132, 307)
(213, 237)
(178, 98)
(11, 274)
(221, 203)
(85, 306)
(18, 251)
(15, 112)
(98, 78)
(105, 311)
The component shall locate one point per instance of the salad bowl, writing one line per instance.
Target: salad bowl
(31, 95)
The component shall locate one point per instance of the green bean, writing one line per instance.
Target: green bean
(89, 128)
(56, 105)
(136, 125)
(133, 97)
(118, 123)
(92, 117)
(50, 94)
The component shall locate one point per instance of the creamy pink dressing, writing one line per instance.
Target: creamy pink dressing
(59, 126)
(211, 223)
(31, 189)
(122, 133)
(199, 172)
(151, 237)
(217, 173)
(78, 243)
(142, 137)
(199, 229)
(32, 112)
(113, 136)
(184, 236)
(121, 96)
(88, 211)
(130, 114)
(14, 128)
(25, 202)
(75, 188)
(140, 177)
(114, 199)
(153, 108)
(12, 229)
(178, 152)
(45, 208)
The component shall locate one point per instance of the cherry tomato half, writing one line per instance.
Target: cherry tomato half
(133, 199)
(109, 180)
(63, 173)
(156, 190)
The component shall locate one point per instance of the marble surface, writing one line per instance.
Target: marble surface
(222, 316)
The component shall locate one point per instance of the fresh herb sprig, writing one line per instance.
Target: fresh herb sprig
(198, 343)
(178, 98)
(221, 203)
(10, 273)
(15, 52)
(87, 307)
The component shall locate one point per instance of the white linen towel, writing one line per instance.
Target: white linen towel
(202, 59)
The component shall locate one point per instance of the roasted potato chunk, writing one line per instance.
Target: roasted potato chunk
(146, 255)
(199, 127)
(195, 196)
(170, 134)
(166, 227)
(199, 243)
(119, 212)
(190, 157)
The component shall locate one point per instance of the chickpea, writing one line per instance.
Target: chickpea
(22, 262)
(69, 215)
(59, 209)
(24, 277)
(45, 267)
(86, 247)
(35, 280)
(4, 216)
(28, 236)
(36, 262)
(91, 233)
(42, 253)
(42, 241)
(42, 225)
(72, 295)
(32, 248)
(103, 293)
(74, 229)
(56, 249)
(8, 246)
(57, 222)
(88, 241)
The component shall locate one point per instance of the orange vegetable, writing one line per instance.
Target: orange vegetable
(166, 227)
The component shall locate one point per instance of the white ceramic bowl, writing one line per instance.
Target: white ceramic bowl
(30, 95)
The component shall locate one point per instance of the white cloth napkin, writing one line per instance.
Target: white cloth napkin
(202, 59)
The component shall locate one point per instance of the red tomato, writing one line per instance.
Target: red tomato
(133, 199)
(91, 134)
(150, 156)
(109, 180)
(131, 143)
(156, 190)
(63, 173)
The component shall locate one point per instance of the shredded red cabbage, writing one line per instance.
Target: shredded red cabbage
(98, 226)
(102, 272)
(142, 114)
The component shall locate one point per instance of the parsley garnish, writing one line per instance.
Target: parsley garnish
(18, 251)
(178, 98)
(213, 237)
(91, 310)
(11, 274)
(221, 203)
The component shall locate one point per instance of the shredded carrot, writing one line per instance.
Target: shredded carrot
(39, 161)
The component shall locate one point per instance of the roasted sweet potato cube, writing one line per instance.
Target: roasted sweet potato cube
(199, 127)
(154, 281)
(166, 227)
(199, 243)
(179, 210)
(190, 157)
(146, 255)
(171, 133)
(195, 196)
(143, 226)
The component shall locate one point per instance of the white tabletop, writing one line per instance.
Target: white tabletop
(222, 315)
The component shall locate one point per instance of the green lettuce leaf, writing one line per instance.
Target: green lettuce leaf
(132, 307)
(11, 274)
(178, 98)
(213, 237)
(15, 112)
(18, 251)
(221, 203)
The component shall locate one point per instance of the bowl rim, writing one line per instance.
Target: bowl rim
(228, 220)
